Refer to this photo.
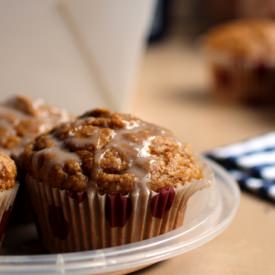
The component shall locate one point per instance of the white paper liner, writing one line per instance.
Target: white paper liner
(88, 227)
(7, 198)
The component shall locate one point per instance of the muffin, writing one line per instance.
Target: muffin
(21, 120)
(8, 190)
(108, 179)
(241, 55)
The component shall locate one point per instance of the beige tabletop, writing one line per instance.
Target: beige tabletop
(172, 92)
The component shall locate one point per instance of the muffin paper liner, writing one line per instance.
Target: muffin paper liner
(7, 198)
(75, 221)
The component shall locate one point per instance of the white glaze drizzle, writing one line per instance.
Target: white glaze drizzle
(136, 151)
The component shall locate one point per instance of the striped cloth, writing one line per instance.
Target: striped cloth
(251, 163)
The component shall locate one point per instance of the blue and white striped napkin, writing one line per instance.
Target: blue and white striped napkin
(251, 163)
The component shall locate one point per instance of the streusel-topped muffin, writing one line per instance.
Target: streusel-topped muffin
(22, 120)
(241, 55)
(112, 176)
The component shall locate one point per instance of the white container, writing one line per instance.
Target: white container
(111, 34)
(75, 54)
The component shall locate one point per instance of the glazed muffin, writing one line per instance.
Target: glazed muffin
(108, 179)
(8, 190)
(241, 55)
(22, 119)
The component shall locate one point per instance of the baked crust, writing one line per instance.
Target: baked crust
(111, 152)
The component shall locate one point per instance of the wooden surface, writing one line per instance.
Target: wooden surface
(172, 91)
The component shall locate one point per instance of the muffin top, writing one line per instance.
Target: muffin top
(21, 120)
(110, 152)
(7, 172)
(244, 39)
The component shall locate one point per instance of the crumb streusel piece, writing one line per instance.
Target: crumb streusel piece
(7, 172)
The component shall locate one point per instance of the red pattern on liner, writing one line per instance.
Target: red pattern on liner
(223, 77)
(261, 69)
(4, 222)
(37, 225)
(118, 209)
(162, 202)
(58, 223)
(77, 196)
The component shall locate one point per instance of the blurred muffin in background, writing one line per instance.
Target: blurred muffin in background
(241, 55)
(21, 120)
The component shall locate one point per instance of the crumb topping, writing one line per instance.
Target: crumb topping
(21, 120)
(7, 172)
(111, 152)
(250, 38)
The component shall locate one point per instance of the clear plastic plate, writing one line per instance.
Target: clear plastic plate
(204, 221)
